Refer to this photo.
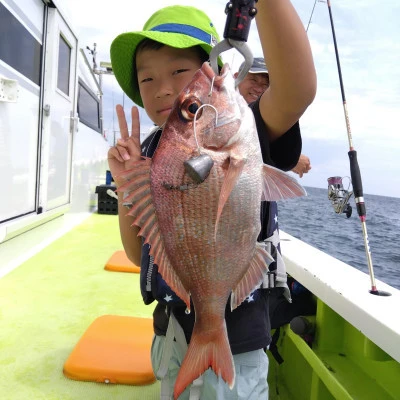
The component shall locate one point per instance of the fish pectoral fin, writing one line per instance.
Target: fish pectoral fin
(231, 177)
(278, 185)
(253, 277)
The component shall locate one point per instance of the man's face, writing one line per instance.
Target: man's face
(253, 86)
(162, 74)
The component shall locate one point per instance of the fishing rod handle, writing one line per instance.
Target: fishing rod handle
(357, 183)
(239, 16)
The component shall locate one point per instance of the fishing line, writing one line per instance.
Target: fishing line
(154, 133)
(354, 167)
(312, 13)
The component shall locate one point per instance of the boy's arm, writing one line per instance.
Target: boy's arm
(290, 65)
(129, 234)
(120, 158)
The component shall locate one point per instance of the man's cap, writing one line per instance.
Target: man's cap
(180, 27)
(258, 66)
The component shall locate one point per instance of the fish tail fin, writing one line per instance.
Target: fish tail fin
(204, 351)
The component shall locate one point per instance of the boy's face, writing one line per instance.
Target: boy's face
(162, 74)
(253, 86)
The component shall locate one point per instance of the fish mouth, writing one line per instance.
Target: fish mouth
(225, 70)
(228, 112)
(223, 118)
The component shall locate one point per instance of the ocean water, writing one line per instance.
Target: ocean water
(313, 220)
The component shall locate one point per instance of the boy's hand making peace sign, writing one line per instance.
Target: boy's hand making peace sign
(127, 150)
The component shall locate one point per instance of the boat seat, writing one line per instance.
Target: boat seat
(121, 263)
(114, 349)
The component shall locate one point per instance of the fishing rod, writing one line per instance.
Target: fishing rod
(354, 167)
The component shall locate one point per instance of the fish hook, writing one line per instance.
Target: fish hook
(199, 167)
(211, 87)
(195, 119)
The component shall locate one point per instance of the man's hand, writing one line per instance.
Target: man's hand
(303, 166)
(127, 150)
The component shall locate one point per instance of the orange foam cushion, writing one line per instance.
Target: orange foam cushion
(114, 349)
(120, 262)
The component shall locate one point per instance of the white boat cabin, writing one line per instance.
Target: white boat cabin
(52, 150)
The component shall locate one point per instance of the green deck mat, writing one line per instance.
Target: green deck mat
(47, 304)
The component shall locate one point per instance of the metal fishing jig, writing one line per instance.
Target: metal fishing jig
(199, 167)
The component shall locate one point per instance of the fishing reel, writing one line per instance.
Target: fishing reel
(339, 196)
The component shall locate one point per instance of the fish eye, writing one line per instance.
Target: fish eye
(189, 108)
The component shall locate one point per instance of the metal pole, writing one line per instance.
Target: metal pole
(101, 100)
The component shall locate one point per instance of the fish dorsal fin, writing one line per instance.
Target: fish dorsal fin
(253, 277)
(231, 177)
(278, 185)
(138, 186)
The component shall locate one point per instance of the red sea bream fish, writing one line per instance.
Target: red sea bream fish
(203, 233)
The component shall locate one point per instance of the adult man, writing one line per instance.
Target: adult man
(252, 87)
(302, 303)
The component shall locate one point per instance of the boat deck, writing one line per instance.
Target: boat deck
(48, 302)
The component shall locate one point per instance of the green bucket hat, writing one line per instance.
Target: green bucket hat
(175, 26)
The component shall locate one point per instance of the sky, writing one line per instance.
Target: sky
(368, 39)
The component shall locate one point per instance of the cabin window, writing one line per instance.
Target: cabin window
(88, 107)
(18, 48)
(64, 65)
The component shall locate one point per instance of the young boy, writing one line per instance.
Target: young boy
(152, 73)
